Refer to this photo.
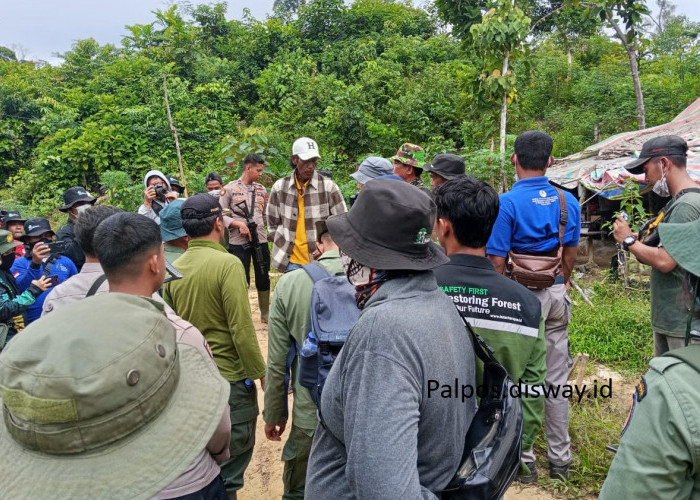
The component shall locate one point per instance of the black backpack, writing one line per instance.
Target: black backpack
(491, 457)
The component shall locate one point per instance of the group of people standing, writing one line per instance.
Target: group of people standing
(178, 354)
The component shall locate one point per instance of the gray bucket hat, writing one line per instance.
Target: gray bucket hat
(389, 227)
(99, 401)
(681, 242)
(371, 168)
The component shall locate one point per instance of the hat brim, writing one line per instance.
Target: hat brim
(37, 232)
(7, 221)
(308, 156)
(138, 466)
(168, 235)
(444, 175)
(81, 199)
(636, 167)
(360, 177)
(6, 247)
(680, 241)
(406, 161)
(380, 256)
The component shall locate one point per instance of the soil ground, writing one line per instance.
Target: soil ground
(263, 478)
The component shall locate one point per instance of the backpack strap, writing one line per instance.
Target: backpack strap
(96, 285)
(481, 348)
(315, 271)
(48, 265)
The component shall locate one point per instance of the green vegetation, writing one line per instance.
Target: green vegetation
(359, 78)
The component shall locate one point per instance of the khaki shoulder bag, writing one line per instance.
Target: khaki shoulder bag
(539, 271)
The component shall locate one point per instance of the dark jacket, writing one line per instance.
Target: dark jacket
(73, 251)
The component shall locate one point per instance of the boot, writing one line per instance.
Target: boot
(264, 303)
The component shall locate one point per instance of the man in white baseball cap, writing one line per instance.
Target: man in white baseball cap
(303, 191)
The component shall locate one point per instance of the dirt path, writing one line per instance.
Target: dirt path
(263, 478)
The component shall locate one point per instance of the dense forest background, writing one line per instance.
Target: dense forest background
(360, 79)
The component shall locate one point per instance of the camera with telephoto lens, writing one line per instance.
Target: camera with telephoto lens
(160, 191)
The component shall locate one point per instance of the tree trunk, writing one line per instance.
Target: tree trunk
(634, 68)
(504, 117)
(174, 132)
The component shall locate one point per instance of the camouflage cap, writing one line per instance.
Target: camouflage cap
(100, 382)
(7, 241)
(411, 155)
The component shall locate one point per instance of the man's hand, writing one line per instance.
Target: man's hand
(40, 252)
(262, 383)
(171, 196)
(243, 228)
(43, 283)
(148, 196)
(621, 229)
(274, 432)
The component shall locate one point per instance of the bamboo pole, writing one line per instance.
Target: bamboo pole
(174, 132)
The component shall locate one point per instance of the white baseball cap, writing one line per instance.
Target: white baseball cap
(305, 148)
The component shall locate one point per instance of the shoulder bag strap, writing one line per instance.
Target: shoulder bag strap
(96, 285)
(481, 348)
(48, 265)
(563, 215)
(315, 271)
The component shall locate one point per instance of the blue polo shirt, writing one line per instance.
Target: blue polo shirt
(24, 273)
(528, 219)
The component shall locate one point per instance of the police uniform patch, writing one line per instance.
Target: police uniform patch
(641, 389)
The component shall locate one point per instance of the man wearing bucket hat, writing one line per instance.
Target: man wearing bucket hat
(445, 167)
(213, 296)
(383, 432)
(663, 161)
(40, 261)
(165, 404)
(14, 223)
(658, 455)
(13, 303)
(175, 185)
(408, 164)
(171, 231)
(304, 191)
(75, 200)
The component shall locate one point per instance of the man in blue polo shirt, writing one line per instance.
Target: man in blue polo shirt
(528, 223)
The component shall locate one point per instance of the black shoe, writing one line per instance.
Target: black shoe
(527, 473)
(560, 472)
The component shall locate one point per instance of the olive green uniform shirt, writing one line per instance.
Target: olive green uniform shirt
(671, 296)
(659, 453)
(290, 319)
(213, 296)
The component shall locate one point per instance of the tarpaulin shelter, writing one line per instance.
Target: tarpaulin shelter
(600, 167)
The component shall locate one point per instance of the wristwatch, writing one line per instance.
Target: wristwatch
(628, 241)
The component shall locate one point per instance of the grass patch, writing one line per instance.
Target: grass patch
(616, 330)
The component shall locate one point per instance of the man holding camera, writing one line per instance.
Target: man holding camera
(42, 258)
(663, 162)
(247, 199)
(157, 195)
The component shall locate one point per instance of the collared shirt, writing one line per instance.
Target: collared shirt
(300, 250)
(74, 288)
(236, 192)
(322, 198)
(289, 320)
(213, 296)
(528, 219)
(172, 252)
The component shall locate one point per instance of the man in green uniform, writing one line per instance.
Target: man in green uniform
(505, 313)
(174, 237)
(289, 319)
(213, 296)
(663, 162)
(659, 452)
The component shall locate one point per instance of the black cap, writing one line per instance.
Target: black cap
(75, 195)
(446, 165)
(36, 227)
(174, 181)
(665, 145)
(12, 216)
(200, 206)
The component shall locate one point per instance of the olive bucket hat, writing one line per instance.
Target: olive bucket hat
(389, 228)
(99, 401)
(7, 241)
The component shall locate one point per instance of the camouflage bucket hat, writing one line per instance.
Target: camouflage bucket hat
(100, 398)
(410, 154)
(7, 241)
